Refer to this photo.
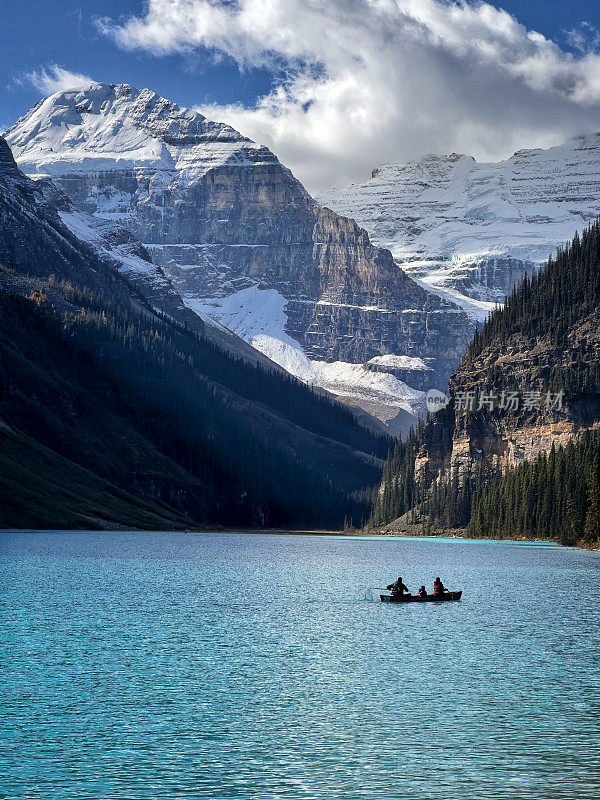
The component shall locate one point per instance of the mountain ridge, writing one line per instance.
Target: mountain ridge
(221, 215)
(518, 440)
(470, 230)
(101, 381)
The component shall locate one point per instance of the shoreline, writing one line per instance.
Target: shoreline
(368, 534)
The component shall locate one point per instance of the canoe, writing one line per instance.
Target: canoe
(414, 598)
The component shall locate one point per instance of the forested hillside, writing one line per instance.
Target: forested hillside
(171, 430)
(530, 469)
(557, 496)
(550, 305)
(399, 491)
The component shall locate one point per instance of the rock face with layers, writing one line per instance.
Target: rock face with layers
(457, 440)
(153, 425)
(119, 250)
(222, 216)
(470, 230)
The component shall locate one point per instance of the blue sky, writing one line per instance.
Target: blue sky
(32, 37)
(256, 76)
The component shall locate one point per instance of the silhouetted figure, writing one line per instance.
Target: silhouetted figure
(438, 587)
(398, 588)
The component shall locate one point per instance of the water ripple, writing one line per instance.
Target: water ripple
(253, 667)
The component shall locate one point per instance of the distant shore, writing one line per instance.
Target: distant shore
(411, 532)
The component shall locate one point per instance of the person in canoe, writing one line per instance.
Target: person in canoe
(438, 587)
(422, 592)
(398, 588)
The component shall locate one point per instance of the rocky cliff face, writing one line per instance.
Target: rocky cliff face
(458, 438)
(471, 230)
(93, 378)
(227, 223)
(118, 249)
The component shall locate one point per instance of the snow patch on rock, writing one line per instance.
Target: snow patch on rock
(115, 243)
(398, 362)
(258, 316)
(356, 382)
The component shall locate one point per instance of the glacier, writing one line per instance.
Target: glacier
(259, 317)
(467, 230)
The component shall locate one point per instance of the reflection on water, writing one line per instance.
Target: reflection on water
(255, 666)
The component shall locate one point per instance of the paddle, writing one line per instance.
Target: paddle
(369, 596)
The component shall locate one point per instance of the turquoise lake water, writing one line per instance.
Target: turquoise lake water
(256, 666)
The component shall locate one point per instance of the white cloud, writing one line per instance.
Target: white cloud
(54, 78)
(366, 81)
(585, 38)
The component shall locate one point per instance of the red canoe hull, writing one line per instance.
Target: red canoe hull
(413, 598)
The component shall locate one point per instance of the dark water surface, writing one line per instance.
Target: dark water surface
(255, 666)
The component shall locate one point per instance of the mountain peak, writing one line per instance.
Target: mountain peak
(83, 129)
(427, 162)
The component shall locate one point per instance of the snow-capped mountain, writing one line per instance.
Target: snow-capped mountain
(112, 413)
(470, 230)
(244, 244)
(119, 249)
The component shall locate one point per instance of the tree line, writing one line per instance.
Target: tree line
(556, 495)
(162, 412)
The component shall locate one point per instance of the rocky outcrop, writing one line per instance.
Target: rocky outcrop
(459, 438)
(510, 447)
(219, 214)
